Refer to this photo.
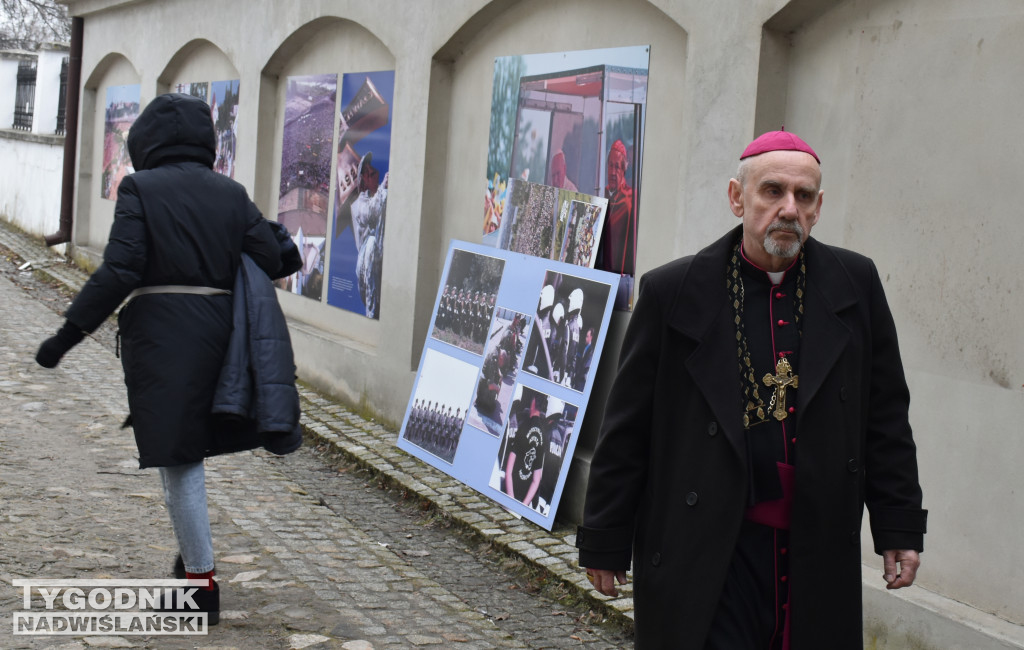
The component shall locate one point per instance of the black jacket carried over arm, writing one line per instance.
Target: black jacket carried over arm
(176, 222)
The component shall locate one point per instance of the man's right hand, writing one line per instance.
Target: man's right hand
(604, 580)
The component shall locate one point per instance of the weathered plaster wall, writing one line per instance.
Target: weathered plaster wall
(916, 109)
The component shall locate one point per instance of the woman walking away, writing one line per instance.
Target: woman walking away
(175, 248)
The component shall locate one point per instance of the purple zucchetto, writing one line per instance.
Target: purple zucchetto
(777, 141)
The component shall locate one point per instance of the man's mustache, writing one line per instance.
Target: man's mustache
(792, 228)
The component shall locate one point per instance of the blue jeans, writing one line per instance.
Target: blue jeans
(185, 496)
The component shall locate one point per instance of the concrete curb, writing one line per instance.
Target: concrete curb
(551, 555)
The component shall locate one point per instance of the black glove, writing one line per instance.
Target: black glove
(55, 347)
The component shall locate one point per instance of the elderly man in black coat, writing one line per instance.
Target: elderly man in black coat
(174, 250)
(760, 403)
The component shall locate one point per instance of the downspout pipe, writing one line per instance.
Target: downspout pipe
(67, 193)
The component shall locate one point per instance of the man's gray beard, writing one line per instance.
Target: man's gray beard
(785, 251)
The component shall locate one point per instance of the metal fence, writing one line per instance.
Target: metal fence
(25, 98)
(62, 98)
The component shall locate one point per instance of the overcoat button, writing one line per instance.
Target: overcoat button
(842, 393)
(854, 538)
(656, 559)
(691, 499)
(853, 465)
(712, 428)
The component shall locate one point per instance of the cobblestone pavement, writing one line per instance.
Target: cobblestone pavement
(348, 543)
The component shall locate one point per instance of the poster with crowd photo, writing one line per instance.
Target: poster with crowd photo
(537, 219)
(361, 191)
(476, 411)
(306, 155)
(573, 121)
(222, 96)
(120, 112)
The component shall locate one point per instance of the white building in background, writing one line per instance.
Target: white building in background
(32, 136)
(913, 106)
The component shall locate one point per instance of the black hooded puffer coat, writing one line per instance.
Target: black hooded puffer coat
(176, 222)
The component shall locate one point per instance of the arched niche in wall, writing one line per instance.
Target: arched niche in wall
(202, 69)
(198, 61)
(459, 109)
(326, 46)
(462, 77)
(113, 79)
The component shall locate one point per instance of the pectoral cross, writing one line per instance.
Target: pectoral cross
(783, 377)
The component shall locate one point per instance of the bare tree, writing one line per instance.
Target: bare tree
(24, 24)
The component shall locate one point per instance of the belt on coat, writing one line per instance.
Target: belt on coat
(178, 288)
(164, 288)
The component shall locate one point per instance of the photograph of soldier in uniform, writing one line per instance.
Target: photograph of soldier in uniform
(505, 346)
(567, 306)
(439, 402)
(470, 286)
(522, 456)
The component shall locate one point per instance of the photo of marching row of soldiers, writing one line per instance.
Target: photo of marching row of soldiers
(505, 346)
(467, 301)
(439, 405)
(434, 427)
(561, 347)
(532, 452)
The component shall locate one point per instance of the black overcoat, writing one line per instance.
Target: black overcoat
(176, 222)
(669, 481)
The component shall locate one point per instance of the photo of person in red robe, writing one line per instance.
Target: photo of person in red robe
(619, 241)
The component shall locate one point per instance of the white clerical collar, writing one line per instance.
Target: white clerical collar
(775, 276)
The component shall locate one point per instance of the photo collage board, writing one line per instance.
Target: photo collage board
(506, 373)
(335, 161)
(564, 158)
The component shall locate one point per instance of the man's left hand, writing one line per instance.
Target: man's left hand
(908, 562)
